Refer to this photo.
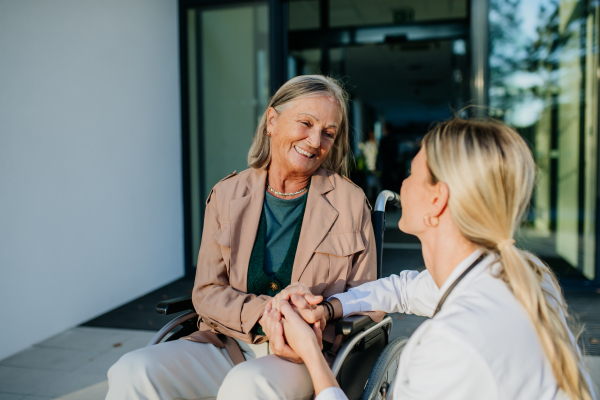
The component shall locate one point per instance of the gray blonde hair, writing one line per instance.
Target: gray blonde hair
(490, 173)
(299, 87)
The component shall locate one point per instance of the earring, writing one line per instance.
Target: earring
(268, 133)
(430, 221)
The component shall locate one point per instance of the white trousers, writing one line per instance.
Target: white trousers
(186, 370)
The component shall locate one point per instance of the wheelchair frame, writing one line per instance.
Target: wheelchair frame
(360, 331)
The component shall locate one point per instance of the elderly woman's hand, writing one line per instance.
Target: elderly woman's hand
(306, 304)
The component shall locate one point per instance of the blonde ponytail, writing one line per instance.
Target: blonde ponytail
(490, 174)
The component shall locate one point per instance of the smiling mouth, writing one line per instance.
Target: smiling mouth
(304, 153)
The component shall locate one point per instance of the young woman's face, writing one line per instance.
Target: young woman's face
(416, 195)
(302, 135)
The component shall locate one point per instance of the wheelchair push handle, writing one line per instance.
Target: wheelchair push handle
(387, 196)
(378, 219)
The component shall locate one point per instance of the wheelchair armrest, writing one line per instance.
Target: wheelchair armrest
(353, 324)
(176, 305)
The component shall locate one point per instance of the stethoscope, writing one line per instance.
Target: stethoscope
(445, 296)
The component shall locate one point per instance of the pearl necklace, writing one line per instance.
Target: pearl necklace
(285, 194)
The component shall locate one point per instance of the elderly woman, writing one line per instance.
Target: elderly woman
(292, 217)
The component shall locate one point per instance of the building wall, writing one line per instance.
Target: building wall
(90, 164)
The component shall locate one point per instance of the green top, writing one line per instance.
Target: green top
(274, 251)
(281, 216)
(279, 274)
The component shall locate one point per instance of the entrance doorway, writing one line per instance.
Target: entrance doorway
(405, 66)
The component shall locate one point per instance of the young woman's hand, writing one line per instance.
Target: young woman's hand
(305, 340)
(309, 313)
(307, 306)
(271, 326)
(295, 288)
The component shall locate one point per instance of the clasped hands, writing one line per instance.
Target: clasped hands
(291, 317)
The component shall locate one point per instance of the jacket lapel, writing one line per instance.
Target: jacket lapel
(244, 217)
(318, 220)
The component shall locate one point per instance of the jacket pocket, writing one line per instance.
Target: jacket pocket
(341, 244)
(332, 263)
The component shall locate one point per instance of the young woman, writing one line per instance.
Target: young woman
(499, 326)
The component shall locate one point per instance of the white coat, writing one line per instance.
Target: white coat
(481, 345)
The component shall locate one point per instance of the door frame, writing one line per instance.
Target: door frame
(277, 57)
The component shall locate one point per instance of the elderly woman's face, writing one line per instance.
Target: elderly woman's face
(302, 134)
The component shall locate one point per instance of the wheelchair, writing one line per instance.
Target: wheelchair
(367, 362)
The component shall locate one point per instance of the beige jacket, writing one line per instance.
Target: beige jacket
(336, 249)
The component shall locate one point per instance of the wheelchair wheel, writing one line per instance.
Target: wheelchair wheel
(384, 371)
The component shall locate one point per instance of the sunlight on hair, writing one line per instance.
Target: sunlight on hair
(490, 173)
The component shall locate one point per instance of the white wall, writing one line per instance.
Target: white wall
(90, 165)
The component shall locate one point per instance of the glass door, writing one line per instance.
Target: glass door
(405, 64)
(226, 88)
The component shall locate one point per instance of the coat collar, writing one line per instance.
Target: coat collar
(319, 217)
(244, 217)
(245, 212)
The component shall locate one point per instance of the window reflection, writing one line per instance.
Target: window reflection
(385, 12)
(543, 81)
(303, 14)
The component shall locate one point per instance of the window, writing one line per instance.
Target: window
(543, 81)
